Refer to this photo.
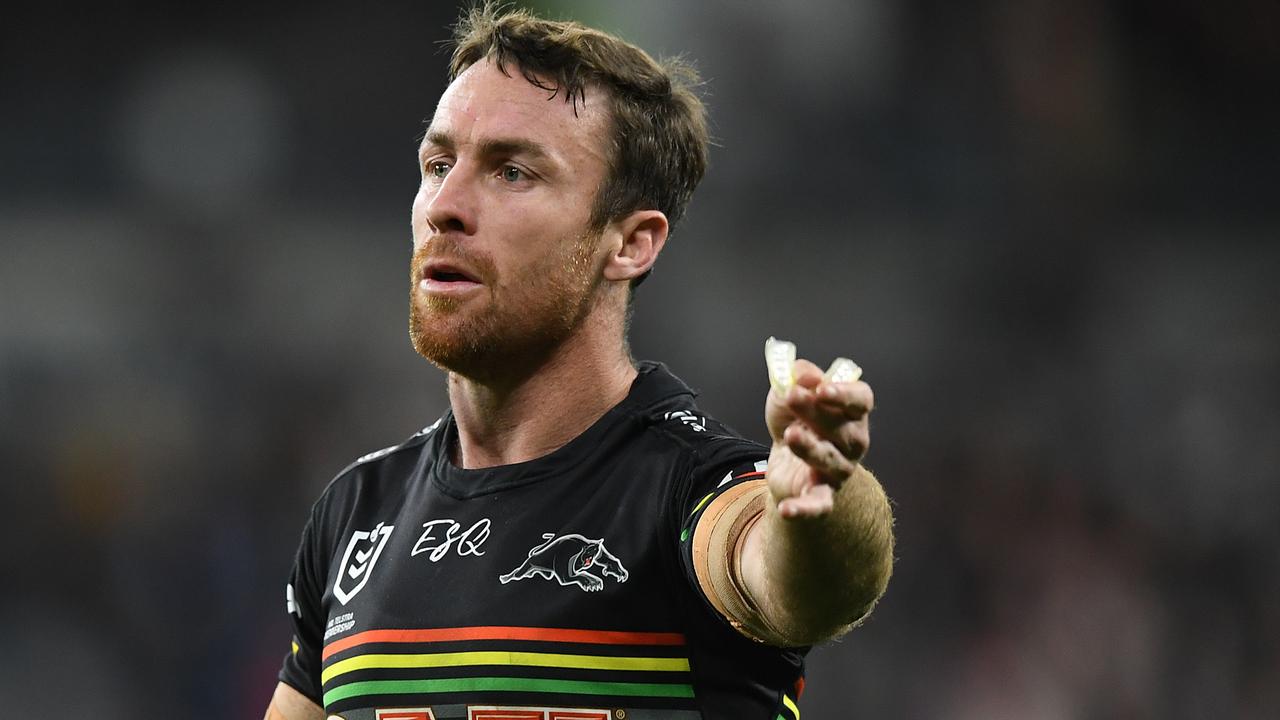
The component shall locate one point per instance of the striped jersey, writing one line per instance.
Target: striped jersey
(556, 589)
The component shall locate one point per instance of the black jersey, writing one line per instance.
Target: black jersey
(552, 589)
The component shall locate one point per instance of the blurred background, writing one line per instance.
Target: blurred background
(1049, 231)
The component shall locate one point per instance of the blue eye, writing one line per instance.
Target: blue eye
(511, 173)
(438, 169)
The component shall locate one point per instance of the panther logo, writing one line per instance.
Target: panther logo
(567, 560)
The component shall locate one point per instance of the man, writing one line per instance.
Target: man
(574, 538)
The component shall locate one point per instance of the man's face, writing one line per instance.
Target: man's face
(504, 266)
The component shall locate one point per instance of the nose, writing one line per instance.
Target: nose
(450, 204)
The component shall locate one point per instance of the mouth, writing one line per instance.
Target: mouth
(439, 276)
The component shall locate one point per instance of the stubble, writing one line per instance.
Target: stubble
(516, 325)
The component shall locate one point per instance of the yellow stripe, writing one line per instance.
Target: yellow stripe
(590, 662)
(791, 706)
(701, 502)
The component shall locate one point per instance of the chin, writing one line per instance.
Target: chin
(501, 337)
(486, 346)
(446, 340)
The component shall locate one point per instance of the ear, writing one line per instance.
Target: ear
(637, 240)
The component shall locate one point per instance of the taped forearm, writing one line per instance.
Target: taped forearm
(717, 558)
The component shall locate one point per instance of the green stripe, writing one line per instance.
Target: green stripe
(505, 684)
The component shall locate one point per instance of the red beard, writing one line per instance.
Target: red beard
(512, 323)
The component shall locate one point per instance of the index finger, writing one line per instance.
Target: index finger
(854, 399)
(807, 374)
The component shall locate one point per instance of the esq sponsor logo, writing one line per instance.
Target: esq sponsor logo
(440, 536)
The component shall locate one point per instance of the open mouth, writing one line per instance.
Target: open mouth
(449, 276)
(444, 276)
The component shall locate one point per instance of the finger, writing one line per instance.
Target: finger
(779, 410)
(851, 438)
(805, 377)
(833, 423)
(818, 500)
(819, 454)
(807, 374)
(853, 400)
(829, 408)
(831, 403)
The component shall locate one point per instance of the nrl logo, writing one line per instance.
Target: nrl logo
(570, 560)
(357, 565)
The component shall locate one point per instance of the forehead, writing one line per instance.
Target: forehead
(485, 103)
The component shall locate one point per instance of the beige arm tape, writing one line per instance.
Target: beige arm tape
(717, 556)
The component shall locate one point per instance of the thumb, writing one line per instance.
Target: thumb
(778, 408)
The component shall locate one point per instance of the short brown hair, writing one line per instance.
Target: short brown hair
(658, 147)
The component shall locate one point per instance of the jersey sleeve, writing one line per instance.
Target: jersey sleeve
(729, 483)
(303, 593)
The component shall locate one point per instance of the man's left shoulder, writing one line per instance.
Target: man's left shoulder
(670, 410)
(703, 436)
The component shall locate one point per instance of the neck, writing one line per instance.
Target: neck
(514, 419)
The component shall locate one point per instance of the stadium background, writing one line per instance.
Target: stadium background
(1048, 230)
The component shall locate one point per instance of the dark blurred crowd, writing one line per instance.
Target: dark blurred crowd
(1048, 230)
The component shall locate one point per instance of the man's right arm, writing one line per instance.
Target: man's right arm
(297, 695)
(289, 704)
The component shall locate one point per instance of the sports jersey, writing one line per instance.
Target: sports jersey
(552, 589)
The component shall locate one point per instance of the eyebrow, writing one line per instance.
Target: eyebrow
(492, 146)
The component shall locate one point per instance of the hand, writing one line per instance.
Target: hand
(819, 432)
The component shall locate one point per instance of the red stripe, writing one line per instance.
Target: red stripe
(757, 473)
(599, 637)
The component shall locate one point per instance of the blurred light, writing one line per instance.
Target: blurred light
(835, 50)
(203, 130)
